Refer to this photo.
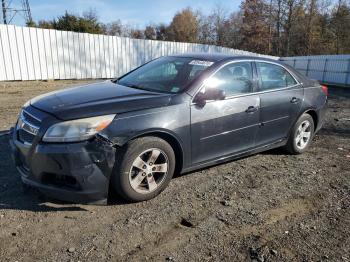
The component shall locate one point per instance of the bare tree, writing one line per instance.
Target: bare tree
(205, 29)
(219, 21)
(290, 4)
(310, 23)
(150, 32)
(340, 26)
(114, 28)
(255, 30)
(161, 32)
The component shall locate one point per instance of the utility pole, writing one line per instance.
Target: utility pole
(27, 13)
(4, 11)
(8, 12)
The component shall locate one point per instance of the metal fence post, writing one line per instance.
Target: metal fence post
(307, 67)
(324, 69)
(347, 78)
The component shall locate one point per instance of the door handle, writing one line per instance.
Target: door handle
(251, 109)
(294, 100)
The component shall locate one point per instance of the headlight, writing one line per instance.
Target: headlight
(77, 130)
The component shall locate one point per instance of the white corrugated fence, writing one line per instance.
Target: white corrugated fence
(40, 54)
(328, 69)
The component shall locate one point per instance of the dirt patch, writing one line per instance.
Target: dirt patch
(14, 94)
(295, 207)
(267, 207)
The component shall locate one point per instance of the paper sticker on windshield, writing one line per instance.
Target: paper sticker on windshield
(201, 63)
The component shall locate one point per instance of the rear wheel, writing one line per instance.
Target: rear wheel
(301, 135)
(143, 168)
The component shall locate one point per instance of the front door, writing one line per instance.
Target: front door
(223, 127)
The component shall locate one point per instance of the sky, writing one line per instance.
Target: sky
(137, 13)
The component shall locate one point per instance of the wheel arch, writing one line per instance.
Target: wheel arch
(170, 138)
(312, 112)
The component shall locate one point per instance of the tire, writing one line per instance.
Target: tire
(134, 169)
(299, 142)
(26, 189)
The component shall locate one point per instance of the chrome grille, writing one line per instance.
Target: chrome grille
(27, 127)
(25, 137)
(31, 119)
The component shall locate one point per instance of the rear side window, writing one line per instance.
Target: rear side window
(233, 79)
(274, 76)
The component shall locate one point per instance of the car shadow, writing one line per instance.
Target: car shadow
(275, 151)
(336, 131)
(336, 92)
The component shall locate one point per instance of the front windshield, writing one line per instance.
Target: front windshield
(166, 74)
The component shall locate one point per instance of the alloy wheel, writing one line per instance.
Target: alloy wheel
(303, 134)
(148, 170)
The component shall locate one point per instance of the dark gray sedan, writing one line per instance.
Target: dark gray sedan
(173, 114)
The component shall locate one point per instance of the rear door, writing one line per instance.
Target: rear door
(280, 101)
(223, 127)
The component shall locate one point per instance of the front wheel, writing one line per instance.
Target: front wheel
(143, 168)
(301, 135)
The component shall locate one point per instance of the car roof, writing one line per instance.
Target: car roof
(216, 57)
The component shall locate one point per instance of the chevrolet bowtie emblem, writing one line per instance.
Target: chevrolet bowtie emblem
(27, 127)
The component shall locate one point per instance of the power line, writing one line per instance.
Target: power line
(27, 13)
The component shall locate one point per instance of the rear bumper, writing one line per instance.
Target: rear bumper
(74, 172)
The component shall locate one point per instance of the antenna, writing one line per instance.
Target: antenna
(9, 12)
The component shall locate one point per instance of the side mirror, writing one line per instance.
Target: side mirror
(209, 94)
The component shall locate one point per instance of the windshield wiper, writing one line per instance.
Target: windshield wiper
(134, 86)
(142, 88)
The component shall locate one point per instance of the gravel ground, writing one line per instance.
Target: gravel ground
(267, 207)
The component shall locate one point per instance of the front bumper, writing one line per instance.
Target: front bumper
(74, 172)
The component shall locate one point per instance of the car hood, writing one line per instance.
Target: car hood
(98, 99)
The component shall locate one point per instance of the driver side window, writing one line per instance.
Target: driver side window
(233, 79)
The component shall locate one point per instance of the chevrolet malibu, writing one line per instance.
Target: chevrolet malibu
(172, 115)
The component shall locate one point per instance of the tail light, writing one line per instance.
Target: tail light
(325, 90)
